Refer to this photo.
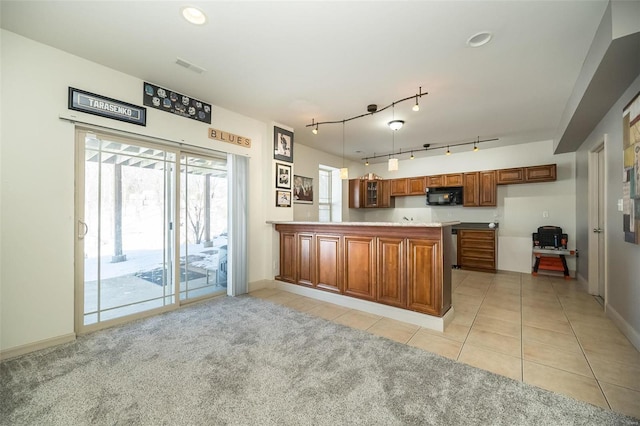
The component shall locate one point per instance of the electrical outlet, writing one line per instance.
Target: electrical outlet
(545, 213)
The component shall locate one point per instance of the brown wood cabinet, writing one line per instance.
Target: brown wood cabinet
(423, 269)
(479, 189)
(532, 174)
(402, 266)
(375, 193)
(408, 186)
(454, 179)
(329, 262)
(305, 259)
(360, 266)
(470, 190)
(391, 271)
(435, 181)
(546, 173)
(507, 176)
(477, 249)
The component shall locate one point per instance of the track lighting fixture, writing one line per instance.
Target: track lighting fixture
(416, 107)
(371, 109)
(393, 162)
(315, 129)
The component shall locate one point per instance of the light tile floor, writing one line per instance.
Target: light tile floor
(542, 330)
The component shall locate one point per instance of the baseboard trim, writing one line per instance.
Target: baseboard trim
(583, 282)
(257, 285)
(36, 346)
(422, 320)
(624, 326)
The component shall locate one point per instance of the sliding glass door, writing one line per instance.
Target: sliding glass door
(203, 226)
(132, 207)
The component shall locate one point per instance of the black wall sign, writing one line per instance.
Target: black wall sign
(176, 103)
(91, 103)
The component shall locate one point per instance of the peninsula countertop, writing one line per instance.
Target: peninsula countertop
(385, 224)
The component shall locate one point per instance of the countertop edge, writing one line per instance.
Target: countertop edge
(386, 224)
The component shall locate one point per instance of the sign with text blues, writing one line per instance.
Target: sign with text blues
(91, 103)
(176, 103)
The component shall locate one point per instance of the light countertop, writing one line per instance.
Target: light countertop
(401, 224)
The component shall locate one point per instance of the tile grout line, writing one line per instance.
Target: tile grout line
(582, 349)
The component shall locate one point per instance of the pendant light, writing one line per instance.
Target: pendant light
(344, 172)
(394, 125)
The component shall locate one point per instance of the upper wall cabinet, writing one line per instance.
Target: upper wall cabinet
(545, 173)
(453, 179)
(479, 189)
(375, 193)
(408, 186)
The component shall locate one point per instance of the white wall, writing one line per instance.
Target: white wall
(623, 268)
(37, 180)
(519, 209)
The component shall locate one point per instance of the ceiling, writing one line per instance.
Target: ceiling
(294, 62)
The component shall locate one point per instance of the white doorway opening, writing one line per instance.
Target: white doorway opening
(597, 222)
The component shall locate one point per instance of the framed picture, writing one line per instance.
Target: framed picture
(302, 190)
(282, 145)
(283, 176)
(283, 198)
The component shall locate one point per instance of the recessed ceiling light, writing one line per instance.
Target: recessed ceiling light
(194, 15)
(479, 39)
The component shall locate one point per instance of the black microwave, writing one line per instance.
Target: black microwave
(450, 196)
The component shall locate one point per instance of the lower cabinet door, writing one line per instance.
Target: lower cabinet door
(287, 257)
(423, 270)
(328, 266)
(391, 272)
(306, 259)
(360, 267)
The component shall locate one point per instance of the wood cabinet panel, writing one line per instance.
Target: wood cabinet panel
(487, 192)
(470, 190)
(477, 249)
(360, 267)
(306, 260)
(374, 193)
(328, 266)
(355, 194)
(391, 272)
(479, 189)
(417, 185)
(399, 187)
(287, 257)
(454, 179)
(434, 181)
(546, 173)
(507, 176)
(422, 276)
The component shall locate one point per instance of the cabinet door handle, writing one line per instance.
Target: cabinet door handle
(597, 230)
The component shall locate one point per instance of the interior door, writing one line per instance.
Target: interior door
(125, 215)
(600, 226)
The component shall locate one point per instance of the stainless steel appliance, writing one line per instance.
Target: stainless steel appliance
(449, 196)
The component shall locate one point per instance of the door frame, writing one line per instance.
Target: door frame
(593, 199)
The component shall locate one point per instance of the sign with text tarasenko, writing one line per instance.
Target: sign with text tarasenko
(91, 103)
(176, 103)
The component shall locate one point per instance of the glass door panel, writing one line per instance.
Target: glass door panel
(203, 226)
(127, 215)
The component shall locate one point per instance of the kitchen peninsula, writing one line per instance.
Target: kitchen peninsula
(398, 267)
